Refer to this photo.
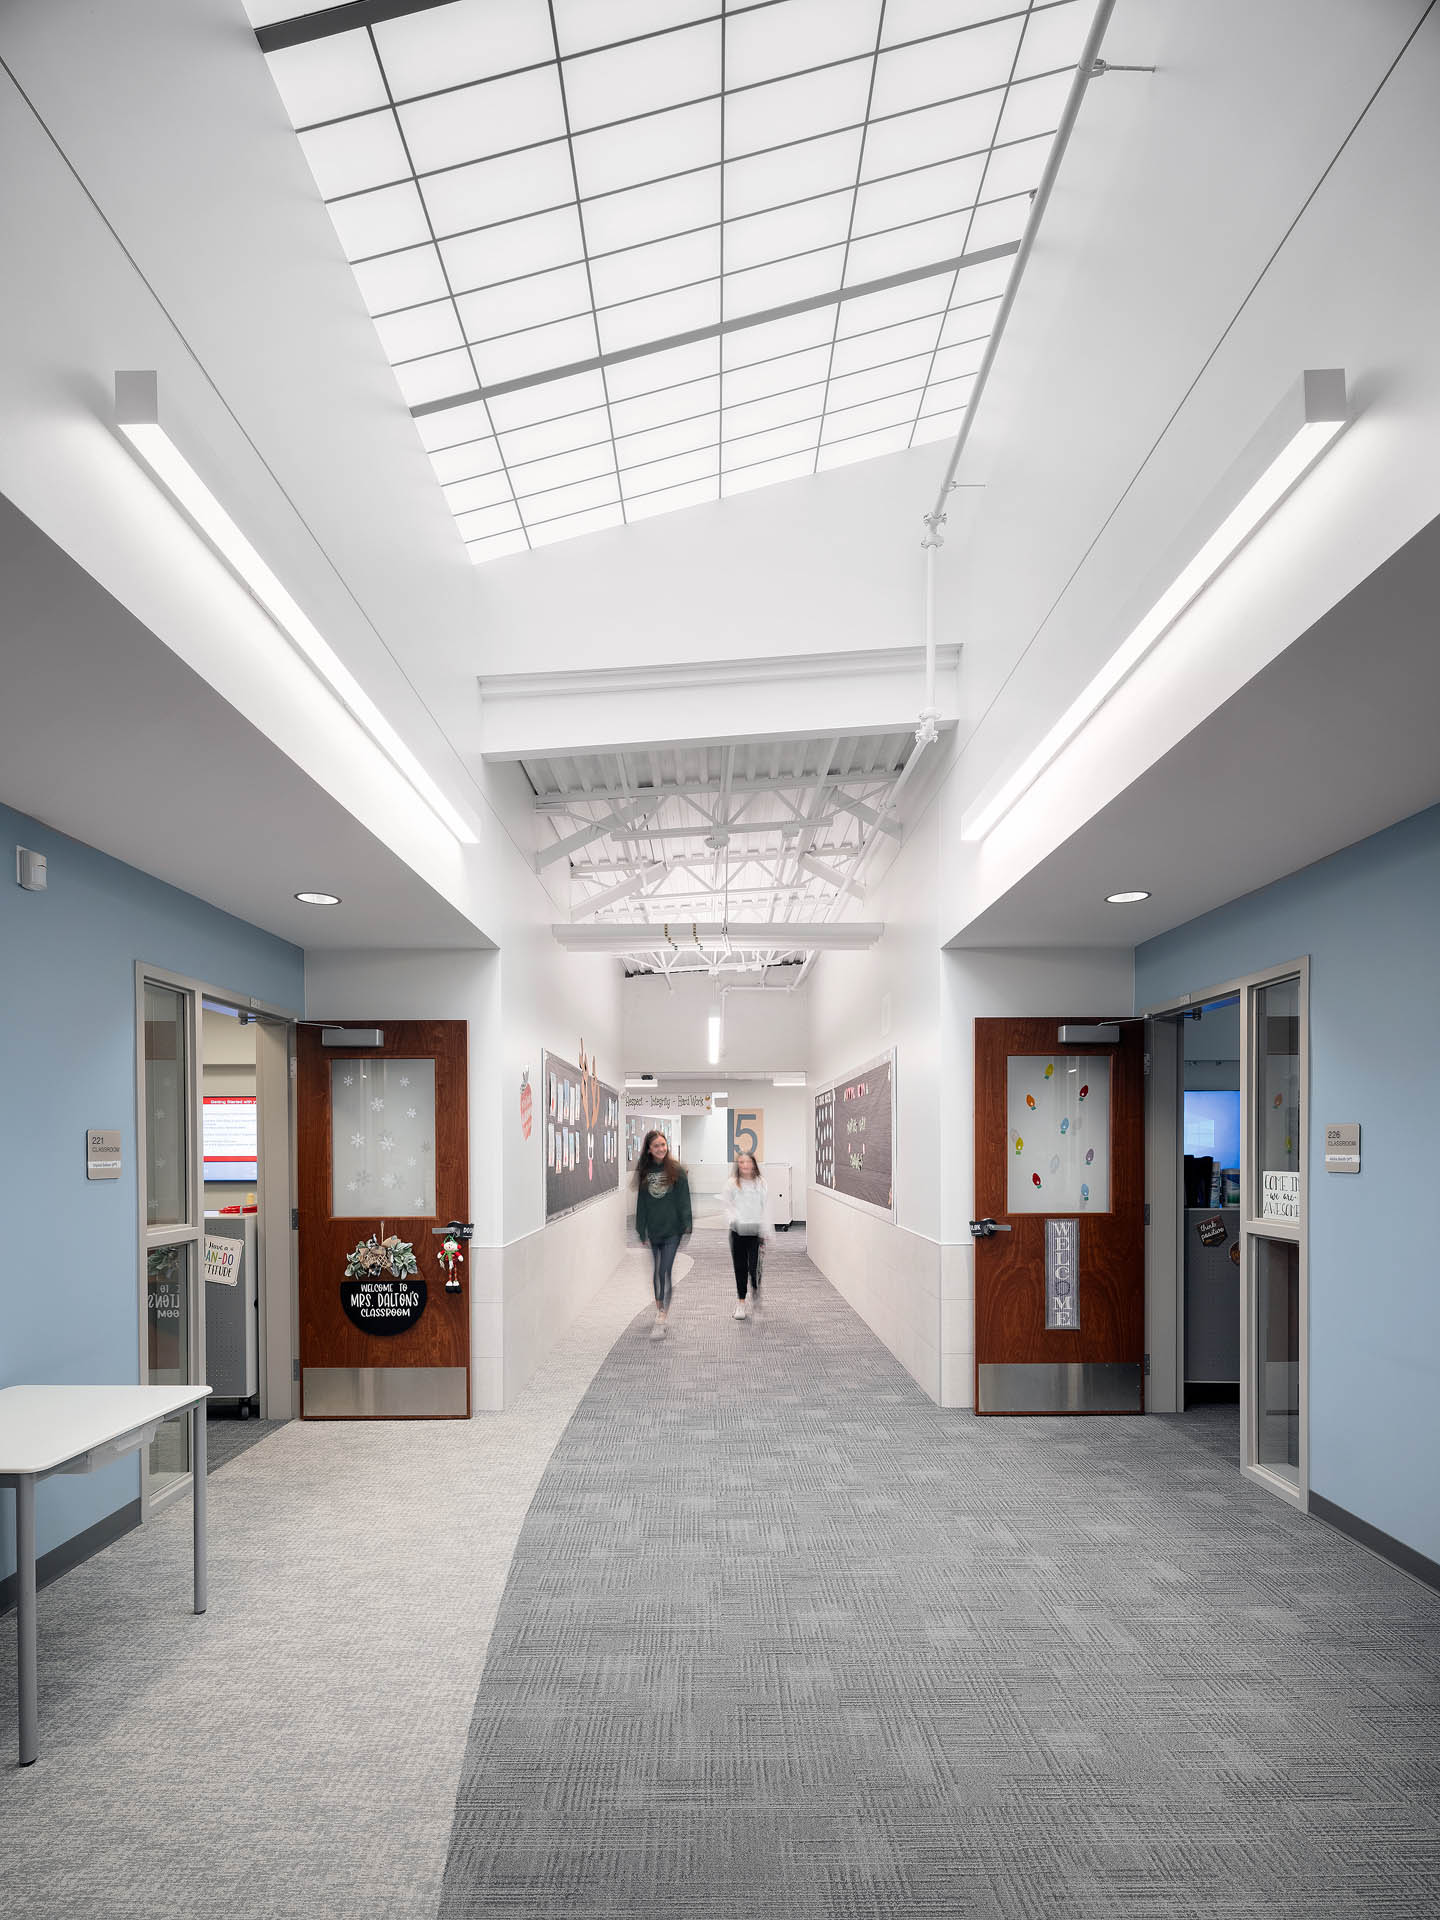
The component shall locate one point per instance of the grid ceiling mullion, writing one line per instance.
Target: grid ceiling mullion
(445, 273)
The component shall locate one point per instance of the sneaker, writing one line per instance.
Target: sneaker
(657, 1332)
(740, 1311)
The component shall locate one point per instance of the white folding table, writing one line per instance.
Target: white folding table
(45, 1430)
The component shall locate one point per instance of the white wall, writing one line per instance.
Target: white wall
(766, 1030)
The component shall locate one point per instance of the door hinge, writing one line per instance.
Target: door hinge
(1147, 1366)
(295, 1369)
(1147, 1066)
(1147, 1213)
(294, 1219)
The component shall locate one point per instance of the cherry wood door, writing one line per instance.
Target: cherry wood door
(1032, 1159)
(440, 1336)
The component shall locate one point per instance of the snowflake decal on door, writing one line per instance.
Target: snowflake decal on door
(387, 1141)
(357, 1140)
(377, 1105)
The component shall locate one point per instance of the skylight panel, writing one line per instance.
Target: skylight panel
(797, 108)
(519, 247)
(1054, 37)
(467, 40)
(481, 490)
(1017, 169)
(772, 337)
(902, 248)
(937, 426)
(929, 135)
(988, 279)
(548, 401)
(650, 372)
(645, 76)
(326, 78)
(649, 149)
(450, 128)
(595, 521)
(943, 394)
(971, 322)
(489, 520)
(647, 506)
(654, 212)
(555, 502)
(894, 304)
(663, 409)
(915, 19)
(767, 473)
(998, 221)
(662, 315)
(562, 435)
(483, 551)
(562, 469)
(419, 330)
(356, 154)
(454, 427)
(514, 355)
(473, 459)
(782, 282)
(663, 443)
(492, 190)
(779, 410)
(679, 470)
(886, 343)
(761, 237)
(943, 69)
(656, 268)
(768, 42)
(749, 449)
(878, 383)
(380, 222)
(823, 165)
(845, 452)
(436, 378)
(583, 24)
(401, 279)
(1034, 106)
(777, 376)
(918, 196)
(538, 299)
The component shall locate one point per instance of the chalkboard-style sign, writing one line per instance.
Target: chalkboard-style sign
(855, 1135)
(1212, 1232)
(383, 1305)
(581, 1137)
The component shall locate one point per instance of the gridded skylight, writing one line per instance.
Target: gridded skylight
(626, 256)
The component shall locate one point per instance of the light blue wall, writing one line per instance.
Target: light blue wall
(68, 1281)
(1369, 918)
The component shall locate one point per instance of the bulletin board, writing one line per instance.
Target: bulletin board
(855, 1136)
(580, 1136)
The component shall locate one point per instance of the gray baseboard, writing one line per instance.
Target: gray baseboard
(1385, 1544)
(71, 1552)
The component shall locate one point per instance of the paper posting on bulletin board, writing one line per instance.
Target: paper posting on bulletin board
(581, 1136)
(855, 1135)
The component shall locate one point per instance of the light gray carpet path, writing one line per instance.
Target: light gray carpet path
(781, 1637)
(227, 1437)
(293, 1755)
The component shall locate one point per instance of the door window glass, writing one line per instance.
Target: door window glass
(1277, 1099)
(382, 1137)
(167, 1327)
(166, 1082)
(1276, 1345)
(1058, 1122)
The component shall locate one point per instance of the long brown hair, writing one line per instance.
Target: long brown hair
(645, 1165)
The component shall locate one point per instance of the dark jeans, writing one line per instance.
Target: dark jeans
(663, 1252)
(745, 1258)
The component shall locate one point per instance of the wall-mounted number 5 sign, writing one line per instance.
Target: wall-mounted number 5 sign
(746, 1132)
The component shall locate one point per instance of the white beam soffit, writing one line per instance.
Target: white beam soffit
(620, 272)
(850, 936)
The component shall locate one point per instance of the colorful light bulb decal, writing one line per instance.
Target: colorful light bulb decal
(1050, 1070)
(1035, 1180)
(1030, 1100)
(1019, 1144)
(1089, 1156)
(1084, 1091)
(1084, 1192)
(1065, 1125)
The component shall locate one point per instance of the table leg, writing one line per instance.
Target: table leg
(25, 1617)
(197, 1475)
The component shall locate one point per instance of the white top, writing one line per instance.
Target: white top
(747, 1207)
(43, 1427)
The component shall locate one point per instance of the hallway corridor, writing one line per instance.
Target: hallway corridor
(781, 1637)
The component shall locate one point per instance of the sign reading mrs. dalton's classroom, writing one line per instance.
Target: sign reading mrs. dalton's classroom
(383, 1304)
(855, 1135)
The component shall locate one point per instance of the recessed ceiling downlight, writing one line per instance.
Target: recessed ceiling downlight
(318, 899)
(1127, 899)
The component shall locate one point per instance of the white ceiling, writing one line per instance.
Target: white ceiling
(624, 262)
(106, 736)
(1332, 742)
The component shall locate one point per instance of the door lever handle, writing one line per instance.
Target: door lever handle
(982, 1229)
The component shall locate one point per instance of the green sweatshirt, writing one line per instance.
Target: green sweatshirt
(661, 1212)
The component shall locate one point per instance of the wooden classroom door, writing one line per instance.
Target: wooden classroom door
(1060, 1226)
(384, 1150)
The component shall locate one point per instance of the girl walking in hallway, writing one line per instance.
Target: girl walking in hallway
(662, 1216)
(747, 1214)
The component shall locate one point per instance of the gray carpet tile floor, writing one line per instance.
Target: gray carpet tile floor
(227, 1436)
(781, 1637)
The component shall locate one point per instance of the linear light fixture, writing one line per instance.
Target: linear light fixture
(712, 1039)
(137, 414)
(787, 1079)
(1287, 446)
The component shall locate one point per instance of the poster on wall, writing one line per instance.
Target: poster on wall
(855, 1135)
(581, 1134)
